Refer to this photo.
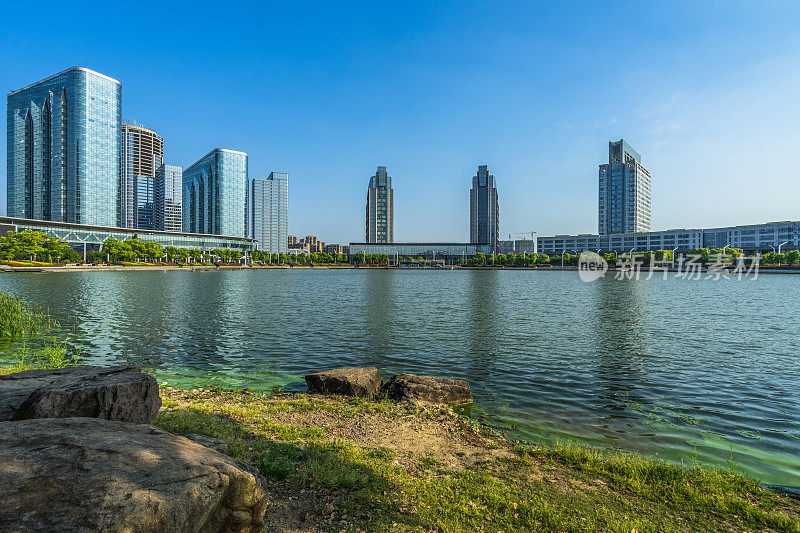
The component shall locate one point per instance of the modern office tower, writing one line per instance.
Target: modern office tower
(142, 154)
(484, 210)
(269, 212)
(380, 208)
(215, 194)
(624, 194)
(168, 195)
(64, 148)
(144, 202)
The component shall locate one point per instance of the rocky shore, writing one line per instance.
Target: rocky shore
(99, 449)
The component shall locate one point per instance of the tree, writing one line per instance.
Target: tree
(793, 257)
(171, 252)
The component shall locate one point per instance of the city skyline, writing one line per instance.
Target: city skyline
(717, 115)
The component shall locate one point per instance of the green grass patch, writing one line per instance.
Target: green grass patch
(563, 487)
(18, 319)
(51, 355)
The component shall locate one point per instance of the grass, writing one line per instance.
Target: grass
(50, 355)
(18, 320)
(562, 487)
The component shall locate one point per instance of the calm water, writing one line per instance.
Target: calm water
(681, 369)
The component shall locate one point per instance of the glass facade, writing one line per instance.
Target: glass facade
(64, 148)
(269, 212)
(168, 197)
(380, 208)
(141, 155)
(484, 209)
(624, 192)
(144, 202)
(448, 251)
(215, 194)
(94, 236)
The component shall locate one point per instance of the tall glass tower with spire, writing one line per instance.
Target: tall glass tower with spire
(484, 210)
(380, 208)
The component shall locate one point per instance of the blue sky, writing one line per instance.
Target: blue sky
(707, 92)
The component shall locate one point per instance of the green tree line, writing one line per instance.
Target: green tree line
(31, 245)
(302, 259)
(133, 250)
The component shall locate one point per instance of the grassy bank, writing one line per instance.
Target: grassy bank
(337, 463)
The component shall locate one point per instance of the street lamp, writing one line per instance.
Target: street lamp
(779, 250)
(673, 256)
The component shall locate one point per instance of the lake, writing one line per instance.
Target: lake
(687, 370)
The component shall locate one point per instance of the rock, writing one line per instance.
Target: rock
(88, 474)
(116, 393)
(426, 389)
(351, 381)
(209, 442)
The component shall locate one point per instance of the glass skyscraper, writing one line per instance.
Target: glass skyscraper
(484, 209)
(141, 155)
(624, 192)
(144, 202)
(215, 194)
(269, 212)
(168, 192)
(64, 148)
(380, 208)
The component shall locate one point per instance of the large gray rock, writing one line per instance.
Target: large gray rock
(87, 474)
(117, 393)
(209, 442)
(351, 381)
(426, 389)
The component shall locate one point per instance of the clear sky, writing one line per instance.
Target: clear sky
(707, 92)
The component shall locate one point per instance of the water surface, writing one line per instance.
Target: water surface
(686, 370)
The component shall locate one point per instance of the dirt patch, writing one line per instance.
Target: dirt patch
(416, 434)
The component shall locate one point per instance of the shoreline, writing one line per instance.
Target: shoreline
(132, 268)
(347, 463)
(336, 462)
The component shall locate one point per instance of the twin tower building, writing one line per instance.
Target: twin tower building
(484, 209)
(71, 158)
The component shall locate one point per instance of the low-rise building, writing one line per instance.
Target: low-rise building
(86, 237)
(517, 246)
(447, 251)
(335, 249)
(750, 238)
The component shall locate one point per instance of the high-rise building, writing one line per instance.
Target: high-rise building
(484, 210)
(624, 192)
(215, 194)
(380, 208)
(142, 154)
(144, 202)
(64, 148)
(269, 212)
(168, 197)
